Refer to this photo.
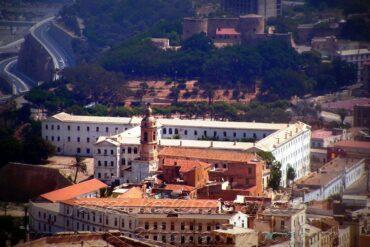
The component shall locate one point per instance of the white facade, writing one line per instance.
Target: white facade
(331, 181)
(76, 135)
(185, 225)
(239, 220)
(117, 140)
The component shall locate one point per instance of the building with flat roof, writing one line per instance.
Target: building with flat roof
(229, 235)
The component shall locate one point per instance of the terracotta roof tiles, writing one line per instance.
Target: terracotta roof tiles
(185, 165)
(74, 191)
(143, 203)
(207, 154)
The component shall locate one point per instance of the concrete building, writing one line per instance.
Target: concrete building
(331, 179)
(349, 149)
(329, 230)
(344, 236)
(312, 236)
(326, 46)
(241, 170)
(166, 220)
(366, 76)
(231, 236)
(361, 116)
(246, 29)
(324, 138)
(358, 57)
(285, 220)
(96, 239)
(265, 8)
(115, 155)
(76, 135)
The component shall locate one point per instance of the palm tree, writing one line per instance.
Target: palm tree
(79, 165)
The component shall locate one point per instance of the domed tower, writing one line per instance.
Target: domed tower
(148, 140)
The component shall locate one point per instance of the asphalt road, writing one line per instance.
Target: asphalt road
(61, 57)
(21, 83)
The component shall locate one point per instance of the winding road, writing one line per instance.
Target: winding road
(61, 58)
(21, 84)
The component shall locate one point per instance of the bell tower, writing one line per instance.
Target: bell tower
(148, 140)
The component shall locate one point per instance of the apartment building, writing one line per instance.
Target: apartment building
(332, 179)
(170, 221)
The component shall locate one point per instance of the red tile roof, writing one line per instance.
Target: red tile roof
(346, 104)
(74, 191)
(353, 144)
(207, 154)
(134, 192)
(178, 187)
(321, 134)
(226, 31)
(143, 203)
(185, 165)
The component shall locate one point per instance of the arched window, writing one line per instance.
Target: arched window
(164, 131)
(176, 131)
(145, 136)
(153, 136)
(170, 131)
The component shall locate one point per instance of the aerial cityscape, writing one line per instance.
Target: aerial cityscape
(185, 122)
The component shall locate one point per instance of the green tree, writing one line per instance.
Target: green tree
(275, 175)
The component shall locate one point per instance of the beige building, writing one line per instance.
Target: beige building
(329, 230)
(284, 220)
(185, 222)
(313, 236)
(344, 236)
(230, 236)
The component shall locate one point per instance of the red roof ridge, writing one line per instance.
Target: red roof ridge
(75, 190)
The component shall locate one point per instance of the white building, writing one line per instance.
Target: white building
(239, 220)
(357, 57)
(117, 140)
(324, 138)
(332, 179)
(167, 220)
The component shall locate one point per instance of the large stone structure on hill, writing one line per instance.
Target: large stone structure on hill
(247, 29)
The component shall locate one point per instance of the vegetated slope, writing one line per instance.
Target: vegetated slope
(111, 21)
